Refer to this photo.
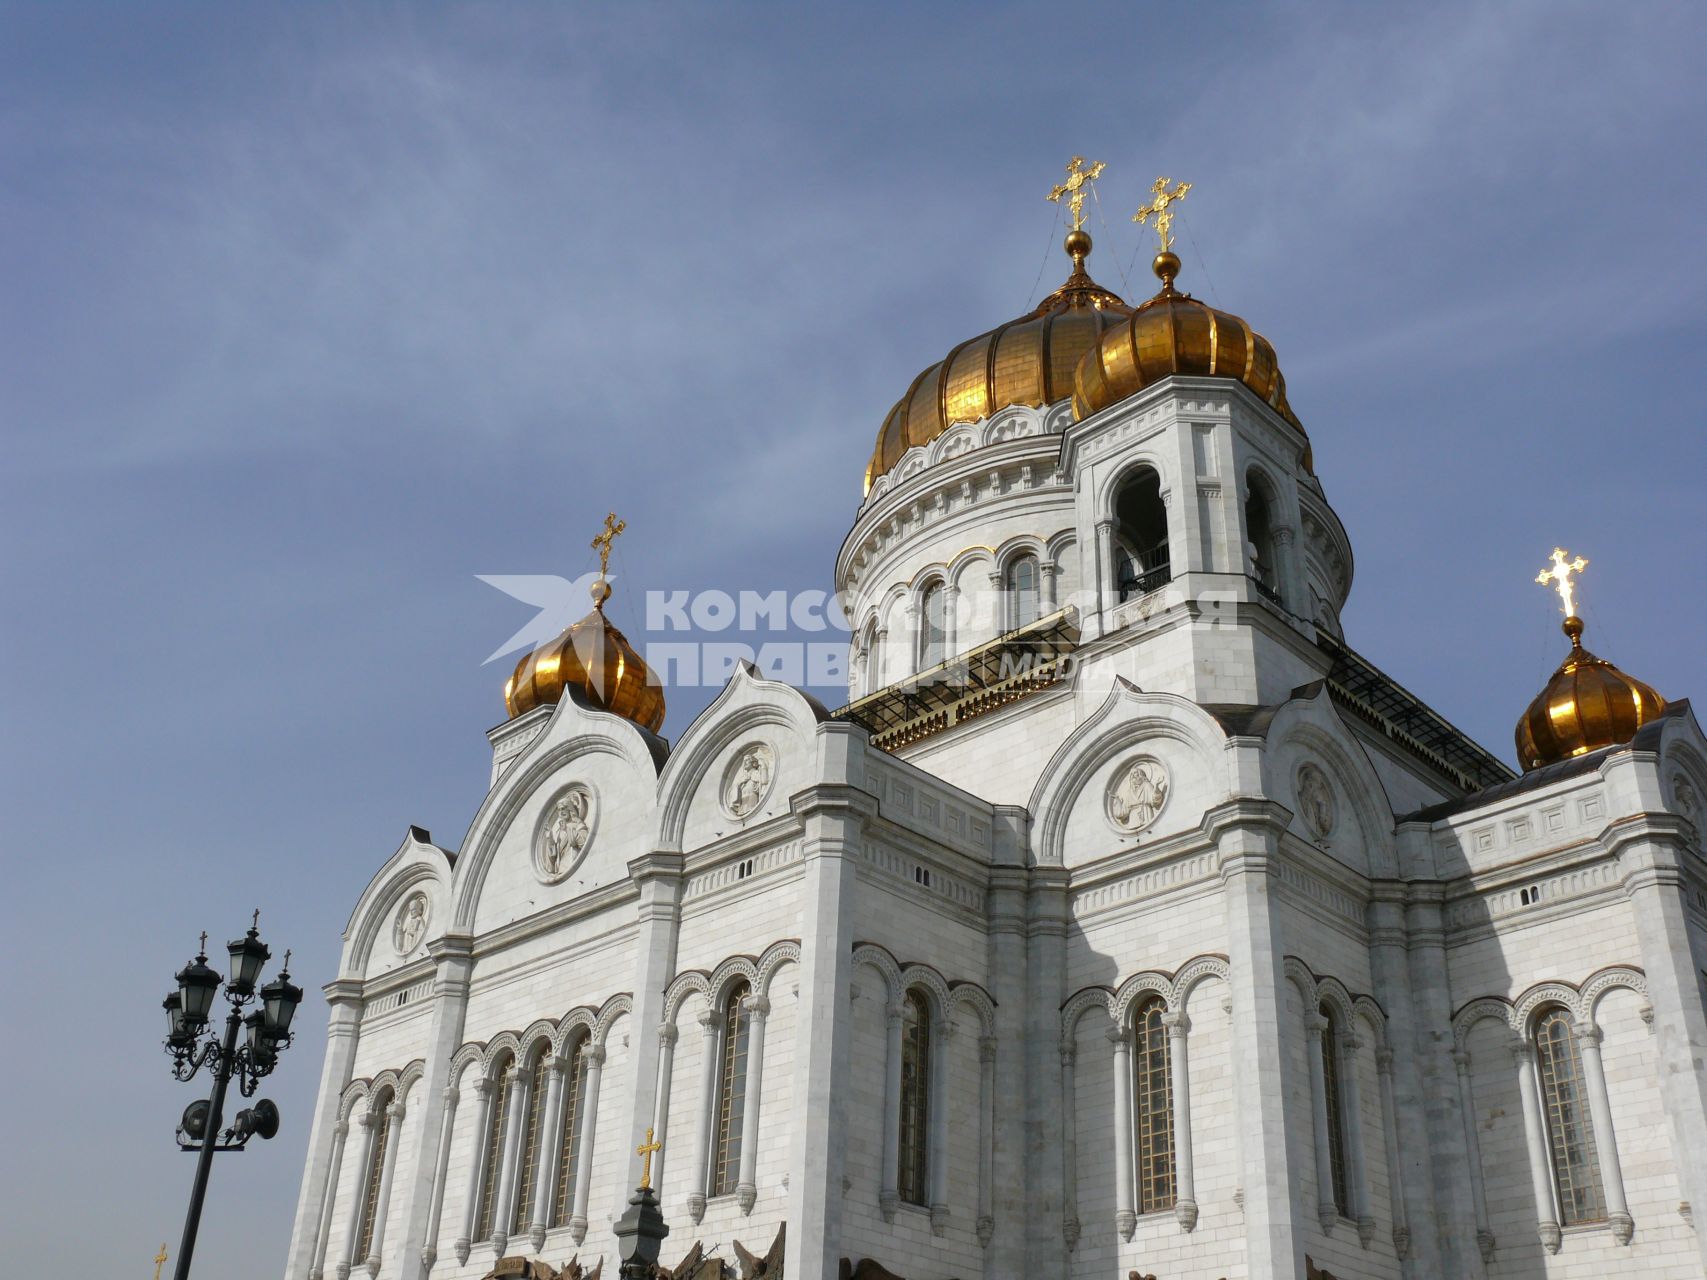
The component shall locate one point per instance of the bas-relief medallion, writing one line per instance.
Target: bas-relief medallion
(411, 926)
(747, 781)
(565, 831)
(1316, 801)
(1136, 794)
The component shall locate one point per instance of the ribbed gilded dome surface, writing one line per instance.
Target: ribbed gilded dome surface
(1174, 333)
(1028, 361)
(597, 659)
(1588, 704)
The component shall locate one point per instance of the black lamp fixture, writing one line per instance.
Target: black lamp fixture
(193, 1046)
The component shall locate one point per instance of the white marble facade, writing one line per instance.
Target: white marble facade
(1195, 824)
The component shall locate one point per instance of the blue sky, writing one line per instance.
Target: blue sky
(313, 314)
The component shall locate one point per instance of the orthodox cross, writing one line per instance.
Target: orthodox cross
(1073, 189)
(159, 1260)
(1160, 199)
(644, 1151)
(601, 544)
(1559, 577)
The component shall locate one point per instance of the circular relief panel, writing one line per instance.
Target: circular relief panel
(565, 830)
(748, 780)
(1136, 794)
(1316, 801)
(410, 928)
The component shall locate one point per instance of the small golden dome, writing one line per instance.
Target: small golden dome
(1175, 333)
(1588, 704)
(597, 659)
(1028, 361)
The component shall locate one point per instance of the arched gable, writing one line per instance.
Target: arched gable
(1068, 802)
(1308, 731)
(418, 866)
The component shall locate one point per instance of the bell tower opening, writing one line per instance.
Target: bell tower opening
(1141, 536)
(1262, 559)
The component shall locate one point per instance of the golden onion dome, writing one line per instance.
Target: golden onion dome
(1588, 704)
(1028, 361)
(1174, 333)
(595, 658)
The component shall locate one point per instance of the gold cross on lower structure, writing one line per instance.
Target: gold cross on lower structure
(601, 544)
(1559, 577)
(1073, 189)
(645, 1151)
(1160, 199)
(160, 1260)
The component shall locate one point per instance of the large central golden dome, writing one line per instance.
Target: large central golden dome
(1028, 361)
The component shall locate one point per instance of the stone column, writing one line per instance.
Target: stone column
(1125, 1216)
(1070, 1144)
(328, 1199)
(1535, 1134)
(667, 1036)
(832, 815)
(1360, 1210)
(353, 1221)
(320, 1183)
(1654, 882)
(943, 1036)
(1395, 1168)
(420, 1191)
(1046, 980)
(1327, 1210)
(382, 1207)
(588, 1121)
(510, 1165)
(1046, 571)
(1478, 1191)
(660, 879)
(1004, 906)
(441, 1172)
(1416, 1244)
(747, 1189)
(889, 1193)
(550, 1150)
(484, 1089)
(1108, 579)
(1248, 835)
(1179, 1074)
(986, 1135)
(709, 1025)
(1605, 1139)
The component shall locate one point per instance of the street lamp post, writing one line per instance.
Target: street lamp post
(192, 1045)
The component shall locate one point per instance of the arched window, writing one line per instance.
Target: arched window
(574, 1088)
(870, 672)
(494, 1148)
(731, 1091)
(1153, 1094)
(1570, 1128)
(1336, 1117)
(933, 625)
(913, 1177)
(376, 1168)
(1024, 600)
(1141, 536)
(1263, 563)
(522, 1214)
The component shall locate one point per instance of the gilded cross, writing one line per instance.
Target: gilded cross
(1559, 577)
(1160, 199)
(601, 544)
(645, 1151)
(159, 1260)
(1073, 189)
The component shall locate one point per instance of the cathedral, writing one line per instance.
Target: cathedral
(1127, 921)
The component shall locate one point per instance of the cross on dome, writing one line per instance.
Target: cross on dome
(1160, 199)
(1073, 189)
(1560, 575)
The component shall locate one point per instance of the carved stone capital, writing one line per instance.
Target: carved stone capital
(595, 1056)
(484, 1086)
(460, 1249)
(939, 1219)
(536, 1236)
(1365, 1230)
(452, 1095)
(1486, 1244)
(986, 1048)
(1550, 1236)
(668, 1034)
(758, 1007)
(1401, 1241)
(1178, 1024)
(1185, 1213)
(1328, 1214)
(1070, 1231)
(887, 1202)
(1384, 1061)
(1314, 1025)
(986, 1231)
(1623, 1226)
(578, 1228)
(1125, 1222)
(746, 1195)
(696, 1205)
(1587, 1032)
(709, 1022)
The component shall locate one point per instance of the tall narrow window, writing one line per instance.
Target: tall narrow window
(522, 1215)
(1263, 566)
(494, 1150)
(870, 672)
(1570, 1128)
(1153, 1093)
(563, 1202)
(731, 1092)
(1141, 529)
(1336, 1126)
(933, 626)
(1023, 599)
(376, 1169)
(913, 1180)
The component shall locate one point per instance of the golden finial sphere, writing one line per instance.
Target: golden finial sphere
(1166, 266)
(600, 591)
(1078, 243)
